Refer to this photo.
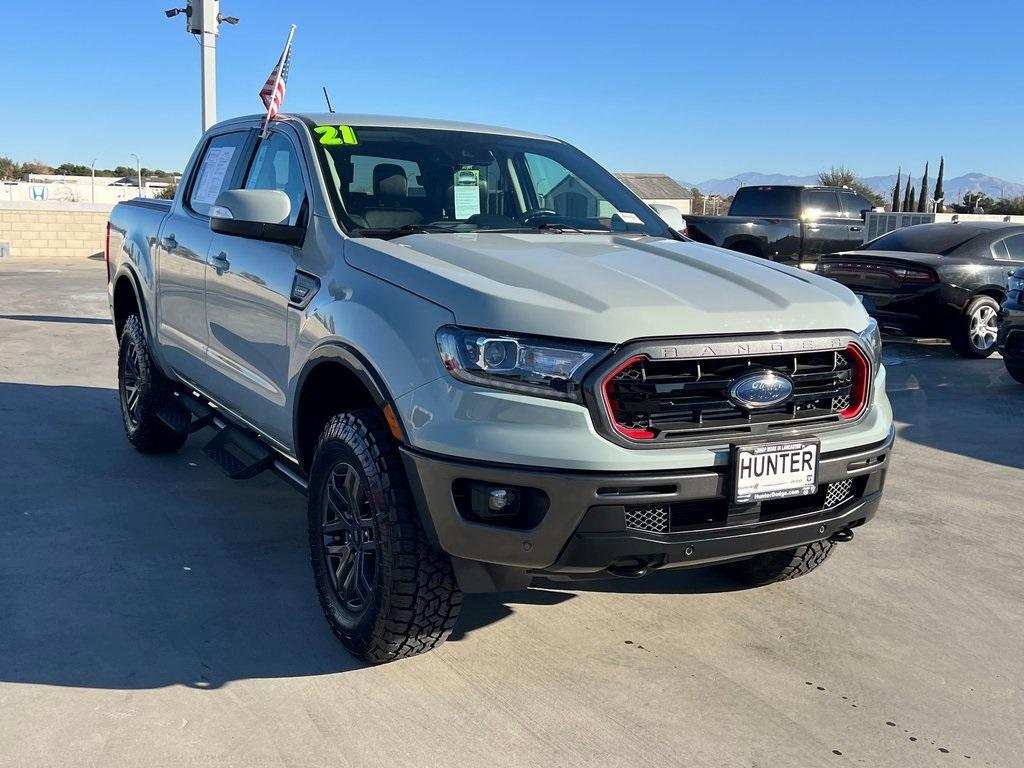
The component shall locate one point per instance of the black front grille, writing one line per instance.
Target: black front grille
(674, 399)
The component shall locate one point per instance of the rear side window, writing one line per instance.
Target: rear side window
(820, 202)
(1011, 248)
(781, 202)
(216, 170)
(853, 204)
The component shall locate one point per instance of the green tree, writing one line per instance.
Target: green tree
(896, 192)
(939, 192)
(922, 204)
(841, 176)
(911, 205)
(35, 166)
(73, 169)
(906, 195)
(168, 192)
(9, 169)
(697, 200)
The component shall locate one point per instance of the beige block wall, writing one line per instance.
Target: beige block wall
(53, 230)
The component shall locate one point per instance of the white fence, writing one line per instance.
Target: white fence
(877, 224)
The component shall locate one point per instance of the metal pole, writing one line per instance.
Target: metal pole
(208, 65)
(94, 179)
(138, 167)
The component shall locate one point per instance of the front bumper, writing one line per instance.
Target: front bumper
(583, 531)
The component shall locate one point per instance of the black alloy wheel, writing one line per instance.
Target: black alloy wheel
(351, 548)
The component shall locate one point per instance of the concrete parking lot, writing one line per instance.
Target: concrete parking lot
(153, 612)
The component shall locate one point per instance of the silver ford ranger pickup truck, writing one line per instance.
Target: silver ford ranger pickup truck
(484, 360)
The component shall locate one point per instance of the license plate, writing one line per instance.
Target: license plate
(774, 470)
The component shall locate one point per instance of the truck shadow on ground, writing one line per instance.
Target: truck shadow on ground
(969, 408)
(124, 571)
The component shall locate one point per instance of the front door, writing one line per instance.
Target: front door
(824, 227)
(248, 289)
(182, 247)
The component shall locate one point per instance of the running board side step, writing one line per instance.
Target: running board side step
(241, 456)
(186, 414)
(237, 451)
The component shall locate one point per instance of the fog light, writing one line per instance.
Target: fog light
(489, 501)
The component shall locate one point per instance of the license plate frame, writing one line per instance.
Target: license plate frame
(777, 488)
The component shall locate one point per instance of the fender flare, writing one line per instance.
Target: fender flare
(357, 364)
(133, 279)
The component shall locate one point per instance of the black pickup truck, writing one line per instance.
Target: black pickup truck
(789, 224)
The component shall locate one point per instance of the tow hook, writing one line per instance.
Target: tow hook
(844, 535)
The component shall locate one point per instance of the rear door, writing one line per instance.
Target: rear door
(248, 290)
(183, 242)
(825, 229)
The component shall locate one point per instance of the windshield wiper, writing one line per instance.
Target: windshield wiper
(387, 233)
(550, 226)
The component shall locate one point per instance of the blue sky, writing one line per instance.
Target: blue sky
(695, 90)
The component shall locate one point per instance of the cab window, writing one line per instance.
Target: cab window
(1010, 248)
(216, 170)
(820, 202)
(276, 166)
(853, 204)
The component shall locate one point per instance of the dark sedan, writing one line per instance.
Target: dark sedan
(944, 280)
(1011, 329)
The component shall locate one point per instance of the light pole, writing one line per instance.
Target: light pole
(202, 19)
(94, 179)
(138, 168)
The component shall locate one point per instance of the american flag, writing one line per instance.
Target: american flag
(274, 89)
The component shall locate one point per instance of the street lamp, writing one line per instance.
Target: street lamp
(138, 168)
(94, 179)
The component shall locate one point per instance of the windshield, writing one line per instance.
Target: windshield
(923, 238)
(387, 181)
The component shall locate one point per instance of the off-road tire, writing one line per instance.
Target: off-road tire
(416, 599)
(960, 337)
(788, 564)
(150, 392)
(1015, 369)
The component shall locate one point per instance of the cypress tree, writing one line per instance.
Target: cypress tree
(939, 192)
(896, 192)
(906, 196)
(922, 204)
(910, 206)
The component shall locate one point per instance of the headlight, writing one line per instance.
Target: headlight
(1017, 283)
(533, 366)
(871, 341)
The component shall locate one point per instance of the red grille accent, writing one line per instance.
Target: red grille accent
(626, 431)
(859, 388)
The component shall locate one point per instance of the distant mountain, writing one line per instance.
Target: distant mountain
(955, 187)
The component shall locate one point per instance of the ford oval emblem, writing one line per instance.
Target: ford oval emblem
(761, 389)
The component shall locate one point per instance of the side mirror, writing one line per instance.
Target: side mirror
(670, 215)
(259, 214)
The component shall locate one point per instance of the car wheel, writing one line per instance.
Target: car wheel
(1015, 369)
(788, 564)
(385, 590)
(975, 333)
(143, 391)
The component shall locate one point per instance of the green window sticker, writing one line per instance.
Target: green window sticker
(331, 136)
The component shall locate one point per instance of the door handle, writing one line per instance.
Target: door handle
(856, 229)
(169, 242)
(220, 262)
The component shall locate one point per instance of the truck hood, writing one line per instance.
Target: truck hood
(607, 288)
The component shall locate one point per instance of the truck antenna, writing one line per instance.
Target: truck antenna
(327, 98)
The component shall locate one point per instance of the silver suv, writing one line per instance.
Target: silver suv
(485, 360)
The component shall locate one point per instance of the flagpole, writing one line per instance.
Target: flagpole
(277, 80)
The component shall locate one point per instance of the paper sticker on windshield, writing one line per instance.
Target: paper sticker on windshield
(331, 135)
(630, 218)
(467, 193)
